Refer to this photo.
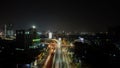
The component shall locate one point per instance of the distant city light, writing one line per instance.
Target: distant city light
(20, 49)
(81, 39)
(14, 34)
(1, 33)
(39, 33)
(35, 63)
(59, 42)
(33, 27)
(59, 39)
(71, 44)
(27, 32)
(50, 35)
(34, 40)
(28, 65)
(114, 55)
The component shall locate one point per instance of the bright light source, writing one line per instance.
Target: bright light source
(59, 39)
(81, 39)
(50, 35)
(28, 65)
(35, 40)
(59, 42)
(27, 32)
(71, 44)
(35, 63)
(33, 27)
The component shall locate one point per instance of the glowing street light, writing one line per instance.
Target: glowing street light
(33, 27)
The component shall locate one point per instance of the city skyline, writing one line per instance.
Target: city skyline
(84, 16)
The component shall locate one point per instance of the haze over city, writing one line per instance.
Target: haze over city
(60, 15)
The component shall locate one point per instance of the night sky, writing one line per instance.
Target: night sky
(60, 15)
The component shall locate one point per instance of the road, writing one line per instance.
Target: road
(58, 57)
(49, 60)
(57, 61)
(61, 59)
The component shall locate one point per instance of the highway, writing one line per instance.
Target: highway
(49, 59)
(61, 59)
(57, 57)
(57, 60)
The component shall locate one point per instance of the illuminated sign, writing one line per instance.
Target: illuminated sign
(36, 40)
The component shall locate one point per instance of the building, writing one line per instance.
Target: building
(114, 33)
(28, 38)
(23, 38)
(8, 30)
(33, 32)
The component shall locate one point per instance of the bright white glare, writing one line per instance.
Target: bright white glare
(35, 63)
(59, 39)
(71, 44)
(59, 42)
(33, 27)
(50, 35)
(81, 39)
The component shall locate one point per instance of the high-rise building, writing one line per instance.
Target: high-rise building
(8, 30)
(24, 39)
(27, 38)
(114, 33)
(33, 32)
